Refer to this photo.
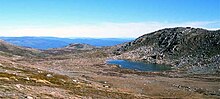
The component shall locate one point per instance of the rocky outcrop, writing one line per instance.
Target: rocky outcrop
(71, 48)
(195, 50)
(78, 46)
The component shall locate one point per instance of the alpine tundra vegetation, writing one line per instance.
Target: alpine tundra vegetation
(109, 49)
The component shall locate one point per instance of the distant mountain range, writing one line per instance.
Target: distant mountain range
(54, 42)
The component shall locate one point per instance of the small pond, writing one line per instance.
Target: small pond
(140, 66)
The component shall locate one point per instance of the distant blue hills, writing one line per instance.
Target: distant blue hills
(54, 42)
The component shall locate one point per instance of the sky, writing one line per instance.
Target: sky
(104, 18)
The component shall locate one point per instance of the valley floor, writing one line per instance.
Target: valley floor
(86, 75)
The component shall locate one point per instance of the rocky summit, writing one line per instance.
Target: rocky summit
(194, 50)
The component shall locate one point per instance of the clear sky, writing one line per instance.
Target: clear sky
(103, 18)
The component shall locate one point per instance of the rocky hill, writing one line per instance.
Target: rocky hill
(78, 46)
(195, 50)
(71, 48)
(7, 49)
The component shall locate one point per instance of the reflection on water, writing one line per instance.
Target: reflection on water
(141, 66)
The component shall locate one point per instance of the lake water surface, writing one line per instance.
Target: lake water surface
(140, 66)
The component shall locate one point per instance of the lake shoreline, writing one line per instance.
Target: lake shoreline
(139, 66)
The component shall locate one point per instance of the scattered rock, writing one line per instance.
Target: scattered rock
(62, 80)
(29, 97)
(43, 81)
(27, 78)
(4, 78)
(49, 75)
(13, 77)
(40, 71)
(78, 86)
(74, 80)
(106, 86)
(18, 86)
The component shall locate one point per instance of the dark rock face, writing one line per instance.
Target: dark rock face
(193, 49)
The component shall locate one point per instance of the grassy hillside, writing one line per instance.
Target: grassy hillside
(8, 49)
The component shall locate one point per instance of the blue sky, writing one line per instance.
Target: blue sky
(103, 18)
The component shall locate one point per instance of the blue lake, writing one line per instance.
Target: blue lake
(140, 66)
